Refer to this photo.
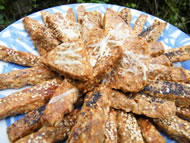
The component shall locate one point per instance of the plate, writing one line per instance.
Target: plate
(14, 36)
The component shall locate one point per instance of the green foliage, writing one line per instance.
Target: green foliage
(92, 1)
(3, 22)
(131, 5)
(2, 4)
(34, 4)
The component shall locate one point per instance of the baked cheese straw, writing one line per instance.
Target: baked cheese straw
(113, 23)
(156, 49)
(104, 51)
(21, 78)
(90, 124)
(180, 92)
(31, 122)
(183, 113)
(178, 54)
(80, 13)
(111, 127)
(70, 60)
(104, 55)
(70, 15)
(52, 134)
(176, 74)
(154, 31)
(64, 27)
(130, 75)
(42, 37)
(26, 125)
(28, 99)
(125, 14)
(90, 21)
(128, 129)
(143, 104)
(18, 57)
(61, 103)
(175, 128)
(45, 15)
(149, 132)
(139, 24)
(161, 60)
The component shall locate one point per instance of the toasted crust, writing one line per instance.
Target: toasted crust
(125, 14)
(112, 19)
(156, 49)
(135, 50)
(128, 129)
(53, 134)
(170, 90)
(30, 123)
(42, 37)
(103, 54)
(105, 65)
(61, 103)
(139, 24)
(130, 75)
(111, 127)
(83, 87)
(154, 31)
(149, 132)
(175, 74)
(183, 113)
(31, 25)
(90, 125)
(143, 104)
(91, 22)
(44, 41)
(70, 15)
(28, 99)
(45, 15)
(21, 78)
(64, 28)
(128, 82)
(102, 67)
(178, 54)
(161, 60)
(18, 57)
(70, 60)
(175, 128)
(94, 18)
(80, 13)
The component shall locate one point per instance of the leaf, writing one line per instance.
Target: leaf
(2, 7)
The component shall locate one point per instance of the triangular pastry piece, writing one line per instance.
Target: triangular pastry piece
(70, 60)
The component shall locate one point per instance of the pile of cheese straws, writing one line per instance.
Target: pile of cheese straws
(121, 77)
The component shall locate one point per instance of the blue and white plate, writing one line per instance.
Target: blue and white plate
(14, 36)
